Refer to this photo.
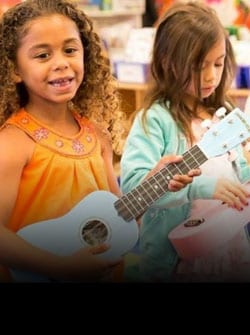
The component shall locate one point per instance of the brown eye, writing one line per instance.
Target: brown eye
(44, 55)
(70, 50)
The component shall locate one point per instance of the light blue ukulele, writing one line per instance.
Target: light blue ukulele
(102, 217)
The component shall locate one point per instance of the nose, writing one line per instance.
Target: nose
(60, 62)
(210, 74)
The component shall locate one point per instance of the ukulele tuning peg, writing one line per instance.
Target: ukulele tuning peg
(221, 112)
(206, 124)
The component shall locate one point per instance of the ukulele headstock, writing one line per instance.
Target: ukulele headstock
(223, 136)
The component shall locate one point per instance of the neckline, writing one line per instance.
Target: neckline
(51, 129)
(77, 146)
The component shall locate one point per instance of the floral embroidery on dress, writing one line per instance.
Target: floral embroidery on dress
(82, 144)
(77, 146)
(88, 139)
(25, 120)
(41, 134)
(59, 143)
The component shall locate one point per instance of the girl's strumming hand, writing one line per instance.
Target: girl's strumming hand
(234, 194)
(85, 265)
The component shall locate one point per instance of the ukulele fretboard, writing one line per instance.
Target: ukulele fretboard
(134, 203)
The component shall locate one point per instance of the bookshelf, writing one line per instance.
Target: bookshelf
(133, 94)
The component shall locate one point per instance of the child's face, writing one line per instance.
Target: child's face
(212, 69)
(50, 59)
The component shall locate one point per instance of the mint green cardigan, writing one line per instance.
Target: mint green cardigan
(142, 152)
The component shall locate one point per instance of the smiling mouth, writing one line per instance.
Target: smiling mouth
(61, 82)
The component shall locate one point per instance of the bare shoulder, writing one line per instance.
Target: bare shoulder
(15, 144)
(104, 137)
(102, 133)
(15, 152)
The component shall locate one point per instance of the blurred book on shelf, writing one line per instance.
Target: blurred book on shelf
(114, 5)
(90, 4)
(134, 67)
(120, 5)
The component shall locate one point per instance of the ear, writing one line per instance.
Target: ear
(16, 77)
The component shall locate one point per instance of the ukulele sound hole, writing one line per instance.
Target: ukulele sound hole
(193, 222)
(94, 232)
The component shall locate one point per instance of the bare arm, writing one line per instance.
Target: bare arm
(107, 154)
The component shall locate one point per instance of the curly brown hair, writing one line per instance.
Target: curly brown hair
(96, 97)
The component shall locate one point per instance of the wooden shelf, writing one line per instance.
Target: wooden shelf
(132, 86)
(133, 94)
(104, 18)
(239, 92)
(239, 95)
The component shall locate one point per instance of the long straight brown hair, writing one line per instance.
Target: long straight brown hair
(183, 38)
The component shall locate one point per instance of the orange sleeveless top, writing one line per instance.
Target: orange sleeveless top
(62, 171)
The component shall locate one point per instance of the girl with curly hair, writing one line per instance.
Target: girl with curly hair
(57, 106)
(59, 116)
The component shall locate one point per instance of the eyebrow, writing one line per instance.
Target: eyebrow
(218, 58)
(224, 55)
(46, 45)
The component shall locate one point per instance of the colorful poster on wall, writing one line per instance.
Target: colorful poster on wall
(226, 10)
